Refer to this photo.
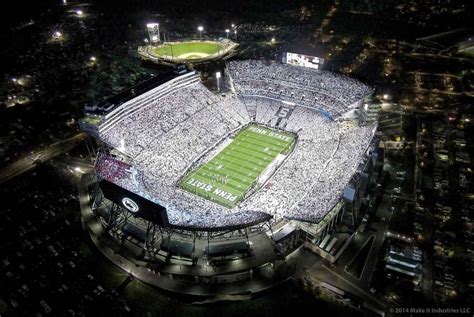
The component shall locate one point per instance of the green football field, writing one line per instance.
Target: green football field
(234, 170)
(188, 50)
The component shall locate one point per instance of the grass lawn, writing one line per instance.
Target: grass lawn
(177, 49)
(468, 51)
(233, 171)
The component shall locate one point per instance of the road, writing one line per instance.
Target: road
(33, 160)
(320, 272)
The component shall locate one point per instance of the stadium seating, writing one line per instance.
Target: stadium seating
(180, 124)
(313, 88)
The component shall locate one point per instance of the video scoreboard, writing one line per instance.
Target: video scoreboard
(302, 60)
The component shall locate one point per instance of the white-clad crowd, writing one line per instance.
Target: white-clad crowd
(328, 91)
(164, 137)
(313, 178)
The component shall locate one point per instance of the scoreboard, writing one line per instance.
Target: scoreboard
(135, 204)
(302, 60)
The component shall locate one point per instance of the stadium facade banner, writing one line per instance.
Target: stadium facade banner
(302, 60)
(135, 204)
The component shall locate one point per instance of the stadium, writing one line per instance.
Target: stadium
(192, 51)
(236, 181)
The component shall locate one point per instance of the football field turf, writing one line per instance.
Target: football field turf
(188, 49)
(235, 169)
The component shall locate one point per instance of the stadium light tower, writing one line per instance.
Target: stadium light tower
(227, 32)
(153, 32)
(200, 29)
(218, 78)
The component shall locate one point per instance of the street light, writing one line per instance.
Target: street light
(200, 29)
(227, 32)
(57, 35)
(235, 32)
(233, 25)
(93, 59)
(79, 12)
(273, 40)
